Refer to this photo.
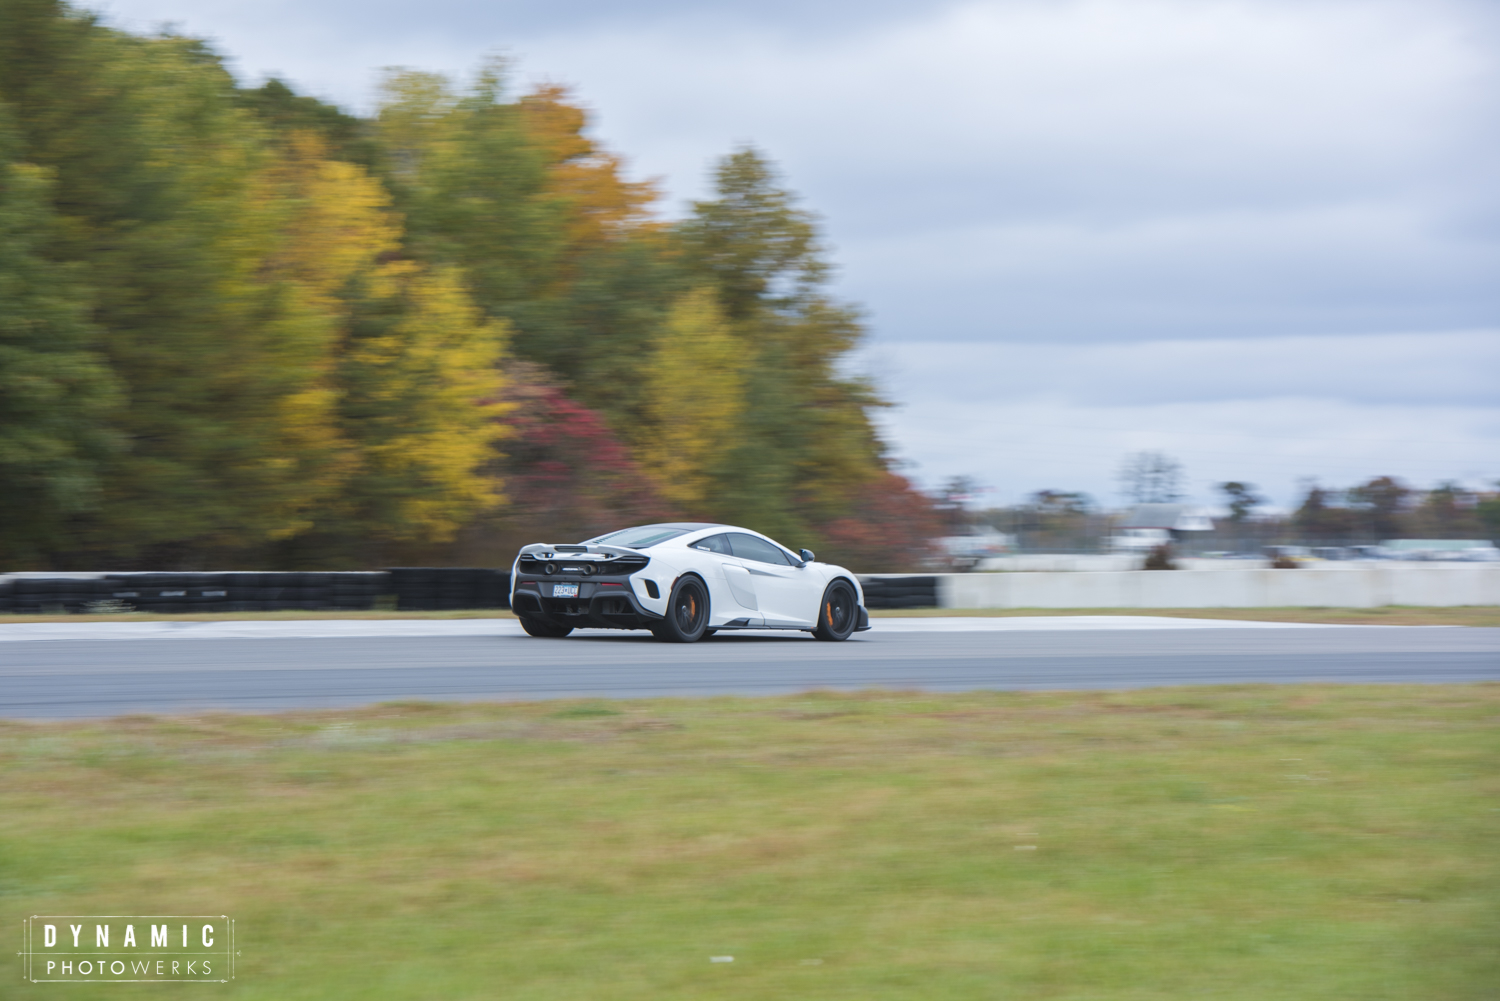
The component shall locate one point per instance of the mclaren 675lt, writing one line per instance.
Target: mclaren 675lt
(683, 581)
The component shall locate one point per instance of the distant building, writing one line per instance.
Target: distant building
(1147, 526)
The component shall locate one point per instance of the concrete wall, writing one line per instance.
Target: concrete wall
(1342, 588)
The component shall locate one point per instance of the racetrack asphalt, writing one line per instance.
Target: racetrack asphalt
(105, 669)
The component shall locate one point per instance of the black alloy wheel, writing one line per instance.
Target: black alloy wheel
(544, 629)
(838, 614)
(687, 613)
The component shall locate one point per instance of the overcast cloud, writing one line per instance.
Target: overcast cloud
(1263, 236)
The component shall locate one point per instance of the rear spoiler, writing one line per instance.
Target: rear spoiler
(549, 551)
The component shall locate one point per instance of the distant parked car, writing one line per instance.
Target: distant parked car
(1140, 540)
(1466, 550)
(1368, 553)
(981, 542)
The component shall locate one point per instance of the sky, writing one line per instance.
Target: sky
(1262, 236)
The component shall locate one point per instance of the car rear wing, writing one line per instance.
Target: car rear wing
(549, 551)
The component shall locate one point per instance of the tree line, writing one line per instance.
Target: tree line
(1381, 508)
(242, 327)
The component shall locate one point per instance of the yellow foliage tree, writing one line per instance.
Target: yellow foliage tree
(398, 410)
(695, 397)
(421, 383)
(335, 224)
(340, 221)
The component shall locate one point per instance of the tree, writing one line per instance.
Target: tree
(549, 235)
(696, 386)
(239, 323)
(1057, 519)
(806, 447)
(1322, 518)
(1242, 500)
(404, 418)
(471, 184)
(1381, 505)
(420, 404)
(752, 242)
(567, 475)
(162, 212)
(344, 136)
(1151, 478)
(952, 502)
(889, 529)
(601, 206)
(56, 392)
(1487, 511)
(1449, 511)
(286, 375)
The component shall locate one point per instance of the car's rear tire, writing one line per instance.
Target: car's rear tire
(838, 614)
(544, 630)
(687, 613)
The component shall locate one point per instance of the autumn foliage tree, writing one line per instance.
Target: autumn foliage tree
(242, 326)
(567, 474)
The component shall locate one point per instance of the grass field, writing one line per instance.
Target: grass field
(1464, 615)
(1256, 842)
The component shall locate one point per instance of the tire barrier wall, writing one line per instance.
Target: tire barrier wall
(900, 591)
(1302, 587)
(421, 589)
(446, 589)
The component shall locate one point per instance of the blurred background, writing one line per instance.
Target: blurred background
(912, 285)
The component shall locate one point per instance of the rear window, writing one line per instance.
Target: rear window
(640, 538)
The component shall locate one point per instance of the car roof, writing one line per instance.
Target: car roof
(692, 529)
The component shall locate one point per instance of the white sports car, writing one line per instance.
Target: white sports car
(683, 581)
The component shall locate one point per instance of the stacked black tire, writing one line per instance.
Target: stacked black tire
(31, 595)
(195, 592)
(419, 589)
(448, 589)
(902, 591)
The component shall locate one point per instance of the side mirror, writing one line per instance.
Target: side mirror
(806, 554)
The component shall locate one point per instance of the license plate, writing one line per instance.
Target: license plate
(564, 590)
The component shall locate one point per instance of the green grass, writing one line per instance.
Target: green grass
(1253, 842)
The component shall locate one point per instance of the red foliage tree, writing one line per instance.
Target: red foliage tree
(889, 530)
(567, 475)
